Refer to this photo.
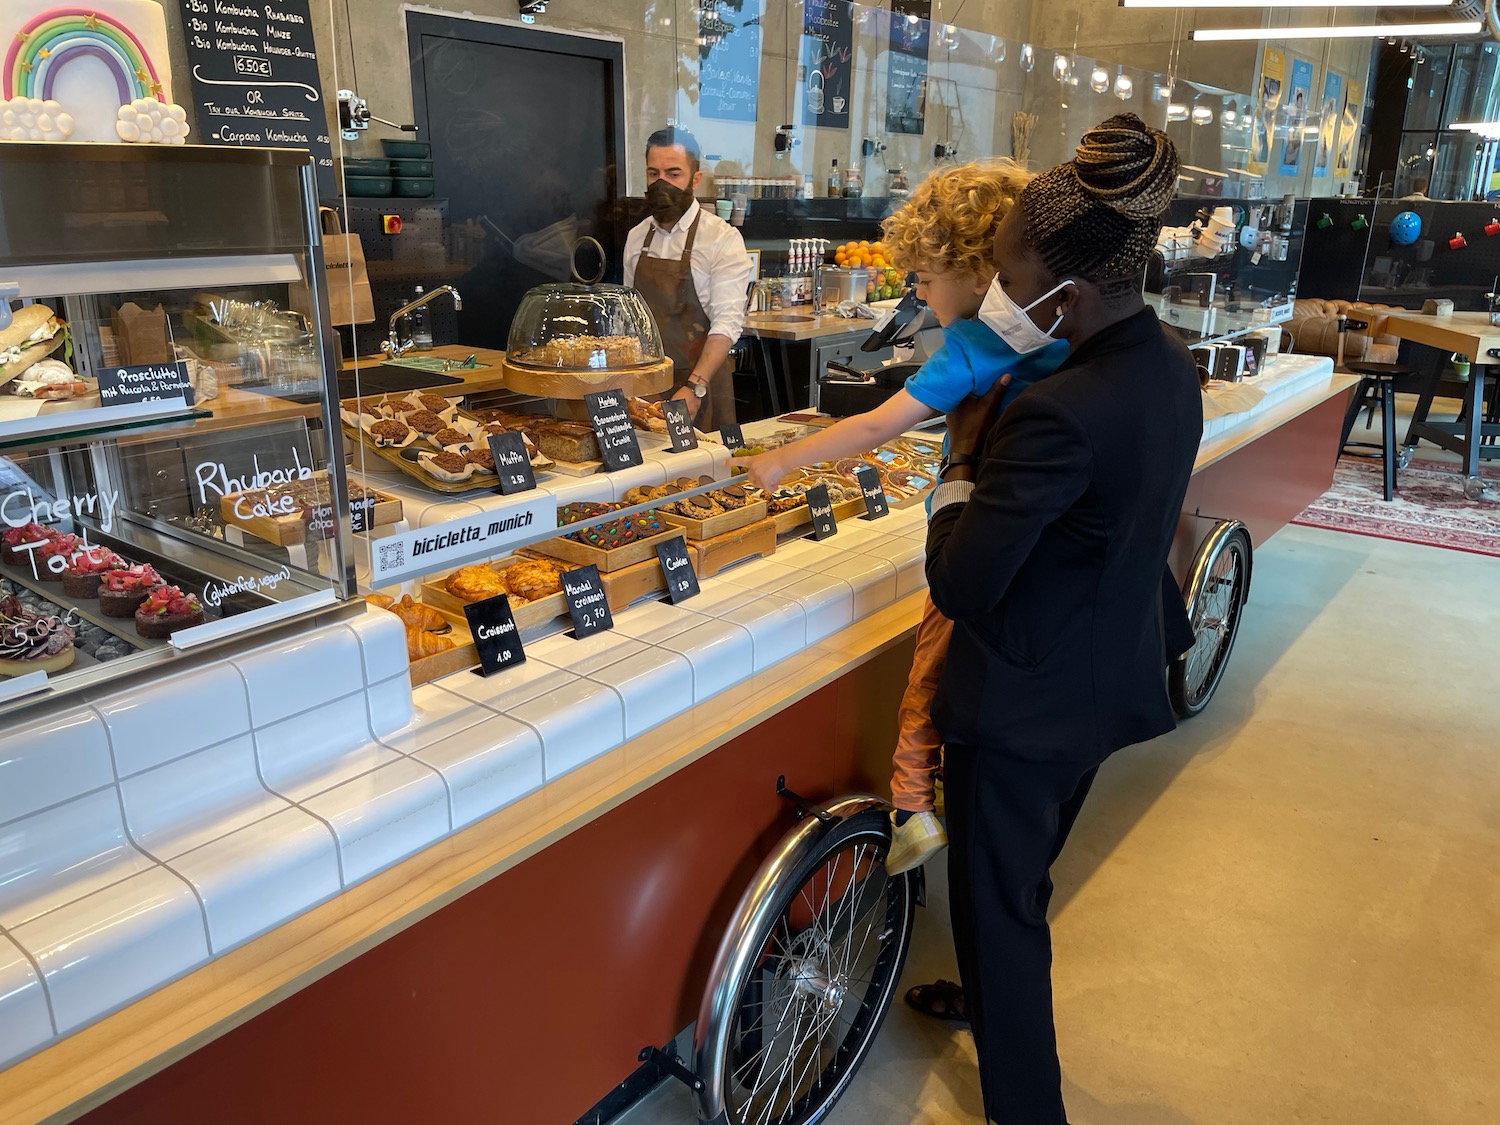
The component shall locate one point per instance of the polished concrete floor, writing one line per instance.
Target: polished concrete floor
(1288, 910)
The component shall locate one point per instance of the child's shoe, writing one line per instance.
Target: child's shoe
(915, 842)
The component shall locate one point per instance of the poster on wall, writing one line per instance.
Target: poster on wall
(1354, 105)
(729, 59)
(827, 62)
(1328, 122)
(1267, 106)
(255, 78)
(1299, 98)
(906, 76)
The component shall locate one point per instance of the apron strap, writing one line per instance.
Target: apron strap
(687, 250)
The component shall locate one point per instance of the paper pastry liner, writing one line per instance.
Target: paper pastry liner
(447, 414)
(464, 425)
(426, 459)
(364, 422)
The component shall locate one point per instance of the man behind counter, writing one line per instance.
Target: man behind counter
(692, 268)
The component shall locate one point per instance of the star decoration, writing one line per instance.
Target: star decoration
(44, 54)
(22, 36)
(26, 67)
(142, 75)
(91, 21)
(156, 89)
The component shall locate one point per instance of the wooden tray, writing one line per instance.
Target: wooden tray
(756, 540)
(719, 524)
(801, 516)
(476, 483)
(288, 530)
(526, 614)
(617, 558)
(544, 383)
(462, 655)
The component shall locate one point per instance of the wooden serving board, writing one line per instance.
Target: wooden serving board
(288, 530)
(719, 524)
(756, 540)
(617, 558)
(462, 655)
(526, 614)
(389, 454)
(546, 383)
(801, 516)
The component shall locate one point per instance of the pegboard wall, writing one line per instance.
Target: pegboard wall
(422, 254)
(1431, 267)
(1334, 252)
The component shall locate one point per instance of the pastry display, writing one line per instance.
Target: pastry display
(92, 641)
(121, 592)
(451, 435)
(483, 458)
(14, 538)
(418, 616)
(87, 570)
(566, 441)
(33, 334)
(447, 465)
(56, 547)
(612, 533)
(32, 640)
(527, 579)
(425, 421)
(422, 643)
(426, 629)
(475, 583)
(388, 431)
(436, 403)
(592, 353)
(166, 610)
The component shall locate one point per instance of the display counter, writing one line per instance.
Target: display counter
(323, 873)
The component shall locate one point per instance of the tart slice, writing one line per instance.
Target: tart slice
(87, 571)
(166, 610)
(121, 592)
(32, 641)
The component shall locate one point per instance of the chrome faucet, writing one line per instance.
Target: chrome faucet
(394, 347)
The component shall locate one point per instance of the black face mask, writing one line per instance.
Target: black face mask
(667, 202)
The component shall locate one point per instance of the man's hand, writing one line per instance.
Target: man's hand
(970, 421)
(764, 470)
(686, 394)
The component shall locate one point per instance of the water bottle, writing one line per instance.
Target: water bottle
(421, 327)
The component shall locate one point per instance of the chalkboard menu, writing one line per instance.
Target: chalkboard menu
(729, 59)
(827, 60)
(255, 77)
(906, 76)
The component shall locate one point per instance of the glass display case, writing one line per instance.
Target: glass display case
(162, 493)
(584, 328)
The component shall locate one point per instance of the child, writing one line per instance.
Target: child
(945, 233)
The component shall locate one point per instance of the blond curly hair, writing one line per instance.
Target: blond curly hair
(949, 222)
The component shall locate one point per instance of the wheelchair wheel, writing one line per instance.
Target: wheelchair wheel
(805, 973)
(1216, 591)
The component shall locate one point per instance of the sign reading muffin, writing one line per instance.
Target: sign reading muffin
(618, 446)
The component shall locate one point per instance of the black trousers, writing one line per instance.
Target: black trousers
(1008, 819)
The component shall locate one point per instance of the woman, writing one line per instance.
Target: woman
(1047, 545)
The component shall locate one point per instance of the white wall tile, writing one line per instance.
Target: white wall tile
(721, 654)
(25, 1021)
(118, 943)
(510, 687)
(301, 672)
(582, 655)
(382, 641)
(383, 816)
(261, 874)
(159, 720)
(316, 750)
(873, 581)
(436, 714)
(777, 627)
(654, 622)
(390, 704)
(51, 759)
(486, 767)
(577, 724)
(827, 602)
(653, 684)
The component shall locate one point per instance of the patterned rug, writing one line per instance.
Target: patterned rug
(1429, 506)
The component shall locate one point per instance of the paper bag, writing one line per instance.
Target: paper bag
(348, 282)
(141, 334)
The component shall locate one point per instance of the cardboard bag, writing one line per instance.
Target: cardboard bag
(141, 334)
(349, 298)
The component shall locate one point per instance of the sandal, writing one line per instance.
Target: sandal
(942, 1000)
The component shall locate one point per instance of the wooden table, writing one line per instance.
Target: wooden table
(1462, 333)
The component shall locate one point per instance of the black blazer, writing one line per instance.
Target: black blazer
(1053, 569)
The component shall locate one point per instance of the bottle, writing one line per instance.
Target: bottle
(835, 181)
(854, 182)
(807, 186)
(421, 326)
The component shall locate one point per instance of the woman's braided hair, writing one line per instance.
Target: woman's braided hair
(1098, 216)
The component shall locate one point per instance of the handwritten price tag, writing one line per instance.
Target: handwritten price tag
(677, 569)
(495, 634)
(824, 525)
(873, 492)
(587, 605)
(619, 448)
(512, 463)
(679, 425)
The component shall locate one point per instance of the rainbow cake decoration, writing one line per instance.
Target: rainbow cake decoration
(96, 73)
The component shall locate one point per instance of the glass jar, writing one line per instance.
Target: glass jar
(574, 327)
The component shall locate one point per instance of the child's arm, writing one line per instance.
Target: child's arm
(858, 434)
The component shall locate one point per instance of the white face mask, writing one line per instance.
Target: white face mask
(1009, 321)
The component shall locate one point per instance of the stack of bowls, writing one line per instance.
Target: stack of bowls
(367, 176)
(411, 167)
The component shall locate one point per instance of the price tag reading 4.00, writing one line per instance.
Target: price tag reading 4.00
(873, 492)
(512, 463)
(679, 425)
(821, 507)
(495, 634)
(677, 569)
(587, 605)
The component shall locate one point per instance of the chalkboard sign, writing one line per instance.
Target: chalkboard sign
(821, 507)
(255, 77)
(512, 463)
(679, 425)
(587, 605)
(873, 492)
(827, 61)
(495, 634)
(146, 382)
(319, 521)
(677, 569)
(619, 448)
(733, 435)
(361, 514)
(729, 59)
(906, 63)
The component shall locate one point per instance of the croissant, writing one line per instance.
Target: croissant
(380, 601)
(419, 616)
(420, 643)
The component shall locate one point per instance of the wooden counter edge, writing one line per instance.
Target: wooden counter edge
(91, 1066)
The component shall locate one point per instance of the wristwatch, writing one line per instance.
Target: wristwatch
(956, 460)
(699, 389)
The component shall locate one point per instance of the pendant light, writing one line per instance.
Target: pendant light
(1028, 57)
(1099, 80)
(1124, 86)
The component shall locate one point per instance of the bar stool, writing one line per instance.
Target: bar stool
(1377, 385)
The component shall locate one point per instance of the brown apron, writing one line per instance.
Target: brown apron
(667, 285)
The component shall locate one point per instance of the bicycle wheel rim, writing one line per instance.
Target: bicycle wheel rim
(1215, 622)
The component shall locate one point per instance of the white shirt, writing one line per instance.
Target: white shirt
(721, 268)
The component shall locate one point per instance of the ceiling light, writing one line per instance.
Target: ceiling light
(1028, 57)
(1367, 31)
(1099, 80)
(1202, 115)
(999, 50)
(1282, 3)
(1061, 66)
(1176, 111)
(1124, 86)
(1230, 115)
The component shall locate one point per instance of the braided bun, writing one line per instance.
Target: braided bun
(1097, 217)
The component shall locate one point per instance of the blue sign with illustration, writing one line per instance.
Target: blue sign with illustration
(906, 61)
(1298, 103)
(729, 33)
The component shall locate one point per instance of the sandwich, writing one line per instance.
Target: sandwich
(34, 334)
(49, 379)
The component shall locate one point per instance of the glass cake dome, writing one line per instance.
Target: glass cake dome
(573, 327)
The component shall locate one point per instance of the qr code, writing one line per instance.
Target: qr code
(392, 555)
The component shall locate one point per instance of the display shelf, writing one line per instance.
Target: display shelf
(121, 627)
